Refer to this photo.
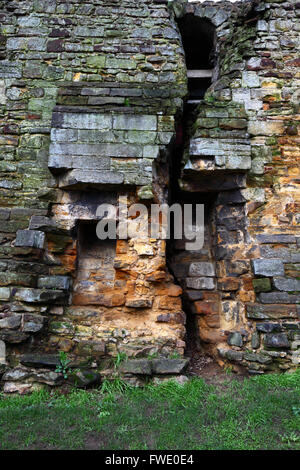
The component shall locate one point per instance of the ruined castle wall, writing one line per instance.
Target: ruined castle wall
(249, 123)
(91, 94)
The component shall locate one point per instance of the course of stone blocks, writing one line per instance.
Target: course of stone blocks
(93, 104)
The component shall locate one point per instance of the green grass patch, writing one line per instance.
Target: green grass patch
(257, 413)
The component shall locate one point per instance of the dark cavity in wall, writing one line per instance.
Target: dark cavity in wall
(198, 38)
(95, 265)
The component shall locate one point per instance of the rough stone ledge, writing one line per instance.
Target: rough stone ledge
(272, 312)
(154, 366)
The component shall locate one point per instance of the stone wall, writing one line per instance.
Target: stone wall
(92, 96)
(245, 140)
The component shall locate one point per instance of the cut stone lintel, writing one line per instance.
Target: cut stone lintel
(200, 73)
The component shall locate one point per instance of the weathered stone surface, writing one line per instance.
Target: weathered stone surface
(67, 162)
(13, 336)
(261, 285)
(169, 366)
(268, 267)
(200, 283)
(138, 303)
(235, 356)
(11, 323)
(278, 298)
(268, 327)
(128, 122)
(276, 238)
(30, 238)
(39, 295)
(270, 312)
(261, 358)
(84, 378)
(203, 268)
(137, 366)
(4, 293)
(82, 121)
(97, 177)
(106, 97)
(279, 341)
(17, 374)
(235, 339)
(266, 128)
(40, 360)
(54, 282)
(255, 341)
(286, 284)
(224, 147)
(16, 387)
(2, 353)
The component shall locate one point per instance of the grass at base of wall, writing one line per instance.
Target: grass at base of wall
(257, 413)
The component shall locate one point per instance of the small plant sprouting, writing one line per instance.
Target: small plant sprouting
(127, 102)
(121, 357)
(152, 355)
(62, 367)
(175, 355)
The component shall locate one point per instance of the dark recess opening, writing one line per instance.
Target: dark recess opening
(95, 271)
(198, 37)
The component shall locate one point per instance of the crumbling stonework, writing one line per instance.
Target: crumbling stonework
(94, 107)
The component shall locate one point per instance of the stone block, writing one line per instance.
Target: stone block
(39, 295)
(97, 177)
(82, 121)
(4, 293)
(13, 336)
(250, 79)
(261, 285)
(2, 353)
(237, 162)
(66, 162)
(286, 284)
(198, 283)
(268, 267)
(258, 311)
(202, 268)
(135, 123)
(45, 224)
(235, 339)
(278, 298)
(96, 61)
(222, 147)
(169, 366)
(54, 282)
(40, 360)
(30, 238)
(33, 323)
(268, 327)
(276, 238)
(277, 341)
(12, 322)
(193, 295)
(255, 341)
(206, 307)
(10, 69)
(256, 357)
(137, 366)
(138, 303)
(266, 128)
(84, 378)
(64, 135)
(235, 356)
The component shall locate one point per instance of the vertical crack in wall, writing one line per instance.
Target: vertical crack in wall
(198, 39)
